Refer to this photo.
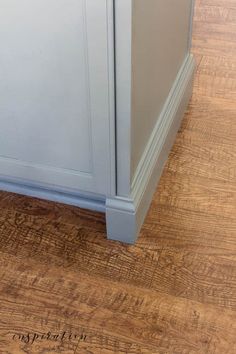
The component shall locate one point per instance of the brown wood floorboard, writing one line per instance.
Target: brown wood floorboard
(174, 292)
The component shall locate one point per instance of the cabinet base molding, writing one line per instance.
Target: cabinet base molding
(82, 200)
(125, 216)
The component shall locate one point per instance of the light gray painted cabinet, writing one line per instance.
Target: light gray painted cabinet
(92, 93)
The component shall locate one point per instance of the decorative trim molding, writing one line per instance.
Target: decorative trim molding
(70, 198)
(126, 215)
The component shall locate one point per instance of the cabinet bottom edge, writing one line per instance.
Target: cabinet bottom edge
(78, 200)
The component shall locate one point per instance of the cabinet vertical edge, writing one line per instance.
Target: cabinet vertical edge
(123, 89)
(111, 94)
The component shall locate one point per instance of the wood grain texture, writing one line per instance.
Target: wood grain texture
(174, 292)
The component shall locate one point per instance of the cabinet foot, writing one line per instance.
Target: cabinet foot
(121, 219)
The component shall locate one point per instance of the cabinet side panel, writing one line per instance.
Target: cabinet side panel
(159, 47)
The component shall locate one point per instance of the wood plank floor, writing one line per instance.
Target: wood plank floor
(175, 290)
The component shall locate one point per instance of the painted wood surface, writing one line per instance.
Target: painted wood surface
(152, 42)
(161, 31)
(70, 103)
(55, 112)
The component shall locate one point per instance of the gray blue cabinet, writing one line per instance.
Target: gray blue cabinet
(92, 93)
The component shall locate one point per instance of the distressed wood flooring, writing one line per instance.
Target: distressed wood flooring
(174, 292)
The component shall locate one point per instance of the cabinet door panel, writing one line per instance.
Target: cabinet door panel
(54, 93)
